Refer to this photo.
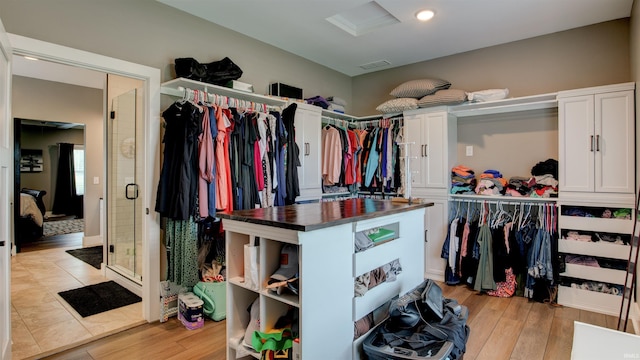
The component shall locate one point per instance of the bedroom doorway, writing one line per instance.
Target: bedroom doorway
(45, 212)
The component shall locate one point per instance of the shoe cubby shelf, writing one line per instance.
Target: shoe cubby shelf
(328, 266)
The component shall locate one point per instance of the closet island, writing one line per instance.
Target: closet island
(324, 234)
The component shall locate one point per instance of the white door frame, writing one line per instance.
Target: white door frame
(24, 46)
(6, 195)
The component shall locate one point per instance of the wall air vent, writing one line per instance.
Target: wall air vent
(375, 64)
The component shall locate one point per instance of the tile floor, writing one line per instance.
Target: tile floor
(42, 322)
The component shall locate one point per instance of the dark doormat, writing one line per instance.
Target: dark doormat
(94, 299)
(90, 255)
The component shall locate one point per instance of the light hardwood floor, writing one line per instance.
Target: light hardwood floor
(511, 328)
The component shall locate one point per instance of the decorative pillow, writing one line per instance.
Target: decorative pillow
(488, 95)
(443, 97)
(397, 105)
(419, 88)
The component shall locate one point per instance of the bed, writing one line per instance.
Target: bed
(29, 225)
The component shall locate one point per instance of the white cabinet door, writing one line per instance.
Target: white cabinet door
(436, 223)
(427, 134)
(413, 125)
(435, 132)
(597, 147)
(577, 143)
(308, 129)
(614, 143)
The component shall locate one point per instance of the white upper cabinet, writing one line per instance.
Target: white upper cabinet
(429, 136)
(596, 145)
(308, 123)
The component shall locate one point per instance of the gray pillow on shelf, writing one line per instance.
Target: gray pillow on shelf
(419, 88)
(397, 105)
(443, 97)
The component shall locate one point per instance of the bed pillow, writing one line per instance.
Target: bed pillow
(398, 105)
(443, 97)
(488, 95)
(419, 88)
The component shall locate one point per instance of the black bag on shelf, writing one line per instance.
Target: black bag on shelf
(217, 72)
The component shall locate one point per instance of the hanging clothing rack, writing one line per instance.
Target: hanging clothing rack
(223, 100)
(220, 95)
(507, 201)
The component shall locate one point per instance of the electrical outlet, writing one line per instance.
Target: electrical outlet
(469, 150)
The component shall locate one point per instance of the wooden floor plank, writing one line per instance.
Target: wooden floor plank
(567, 313)
(535, 333)
(593, 318)
(502, 339)
(505, 334)
(475, 303)
(560, 339)
(483, 325)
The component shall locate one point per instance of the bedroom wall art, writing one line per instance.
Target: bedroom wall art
(31, 160)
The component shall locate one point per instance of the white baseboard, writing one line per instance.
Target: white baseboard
(95, 240)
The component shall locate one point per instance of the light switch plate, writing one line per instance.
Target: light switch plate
(469, 150)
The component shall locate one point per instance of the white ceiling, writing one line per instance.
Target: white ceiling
(300, 26)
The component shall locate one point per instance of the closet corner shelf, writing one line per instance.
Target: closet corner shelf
(347, 117)
(501, 198)
(176, 87)
(525, 103)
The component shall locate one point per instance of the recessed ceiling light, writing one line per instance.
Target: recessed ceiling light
(31, 58)
(424, 15)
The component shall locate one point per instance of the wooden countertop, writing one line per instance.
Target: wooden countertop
(314, 216)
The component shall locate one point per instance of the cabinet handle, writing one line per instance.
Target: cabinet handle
(307, 149)
(426, 150)
(591, 143)
(597, 142)
(425, 235)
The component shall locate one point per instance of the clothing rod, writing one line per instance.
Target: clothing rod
(502, 202)
(212, 98)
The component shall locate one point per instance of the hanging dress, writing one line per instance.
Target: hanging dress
(484, 276)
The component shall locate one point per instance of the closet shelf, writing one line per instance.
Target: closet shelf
(347, 117)
(176, 87)
(525, 103)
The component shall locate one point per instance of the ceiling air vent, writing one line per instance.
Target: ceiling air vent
(363, 19)
(375, 64)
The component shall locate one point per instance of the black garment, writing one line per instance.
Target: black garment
(247, 168)
(177, 189)
(501, 260)
(293, 155)
(235, 156)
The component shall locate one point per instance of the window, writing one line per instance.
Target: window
(78, 165)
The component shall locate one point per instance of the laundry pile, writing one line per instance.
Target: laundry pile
(331, 103)
(463, 180)
(491, 183)
(543, 183)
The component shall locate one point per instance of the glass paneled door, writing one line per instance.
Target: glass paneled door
(124, 203)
